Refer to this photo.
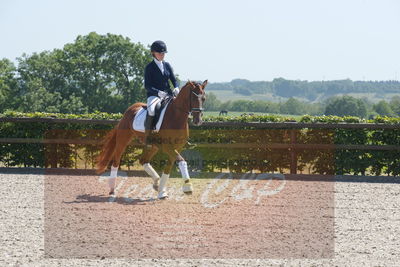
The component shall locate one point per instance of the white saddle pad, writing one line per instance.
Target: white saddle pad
(138, 121)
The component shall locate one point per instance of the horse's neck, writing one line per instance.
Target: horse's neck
(177, 113)
(181, 102)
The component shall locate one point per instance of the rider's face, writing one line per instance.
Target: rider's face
(159, 56)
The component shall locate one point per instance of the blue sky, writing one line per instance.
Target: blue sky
(221, 40)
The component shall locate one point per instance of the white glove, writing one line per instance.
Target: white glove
(175, 92)
(162, 94)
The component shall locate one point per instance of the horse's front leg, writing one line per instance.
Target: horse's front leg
(174, 155)
(187, 187)
(148, 154)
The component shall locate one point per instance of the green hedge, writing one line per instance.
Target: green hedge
(62, 155)
(337, 161)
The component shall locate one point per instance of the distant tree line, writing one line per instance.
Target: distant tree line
(339, 106)
(105, 73)
(308, 90)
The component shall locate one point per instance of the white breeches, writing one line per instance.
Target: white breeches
(152, 102)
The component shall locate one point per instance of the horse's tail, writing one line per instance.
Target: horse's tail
(110, 141)
(107, 152)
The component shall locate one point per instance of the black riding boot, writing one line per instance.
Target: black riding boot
(148, 126)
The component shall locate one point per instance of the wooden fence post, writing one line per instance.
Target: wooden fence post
(293, 154)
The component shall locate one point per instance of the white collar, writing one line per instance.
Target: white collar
(158, 62)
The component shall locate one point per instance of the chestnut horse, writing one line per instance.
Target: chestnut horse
(171, 138)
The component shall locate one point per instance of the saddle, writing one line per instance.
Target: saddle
(138, 122)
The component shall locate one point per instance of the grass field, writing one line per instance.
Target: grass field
(239, 113)
(227, 95)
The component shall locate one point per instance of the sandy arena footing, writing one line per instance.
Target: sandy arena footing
(69, 220)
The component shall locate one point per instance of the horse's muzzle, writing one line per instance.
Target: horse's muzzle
(197, 121)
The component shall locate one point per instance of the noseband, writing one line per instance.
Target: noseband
(192, 109)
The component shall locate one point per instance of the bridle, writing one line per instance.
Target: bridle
(192, 109)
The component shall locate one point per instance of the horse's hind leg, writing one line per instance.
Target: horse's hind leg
(122, 140)
(148, 154)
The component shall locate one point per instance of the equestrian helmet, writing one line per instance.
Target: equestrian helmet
(159, 46)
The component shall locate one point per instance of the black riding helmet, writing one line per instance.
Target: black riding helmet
(159, 46)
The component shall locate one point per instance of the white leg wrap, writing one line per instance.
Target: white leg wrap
(184, 170)
(150, 171)
(114, 172)
(112, 178)
(161, 190)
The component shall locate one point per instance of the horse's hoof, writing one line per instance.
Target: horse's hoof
(111, 192)
(187, 188)
(162, 195)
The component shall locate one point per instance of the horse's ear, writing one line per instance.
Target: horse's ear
(204, 84)
(190, 82)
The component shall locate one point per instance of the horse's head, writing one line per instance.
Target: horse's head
(196, 100)
(190, 100)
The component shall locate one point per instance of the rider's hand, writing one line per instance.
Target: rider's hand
(162, 94)
(175, 92)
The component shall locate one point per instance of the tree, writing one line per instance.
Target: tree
(346, 106)
(395, 105)
(212, 103)
(292, 106)
(8, 84)
(37, 98)
(109, 70)
(258, 106)
(45, 84)
(288, 88)
(383, 108)
(271, 107)
(226, 105)
(95, 73)
(241, 105)
(242, 91)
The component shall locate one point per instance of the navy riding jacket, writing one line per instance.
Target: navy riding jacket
(154, 80)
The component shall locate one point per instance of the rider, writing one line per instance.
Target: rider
(156, 81)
